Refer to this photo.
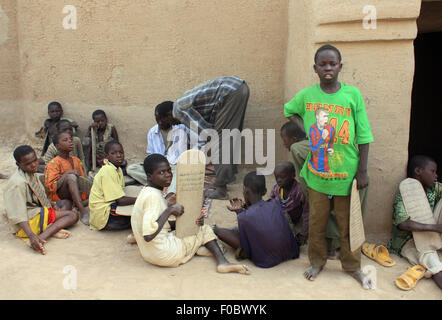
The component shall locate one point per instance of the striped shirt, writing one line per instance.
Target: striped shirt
(201, 103)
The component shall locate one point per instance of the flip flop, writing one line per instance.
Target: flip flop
(409, 278)
(378, 253)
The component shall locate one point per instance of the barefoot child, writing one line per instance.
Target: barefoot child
(263, 232)
(65, 178)
(30, 213)
(333, 162)
(289, 193)
(103, 132)
(157, 242)
(402, 243)
(107, 194)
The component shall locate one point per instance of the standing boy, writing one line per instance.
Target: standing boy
(347, 162)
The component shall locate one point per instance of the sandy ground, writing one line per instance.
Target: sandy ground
(106, 267)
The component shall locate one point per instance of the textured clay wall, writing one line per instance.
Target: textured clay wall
(10, 102)
(127, 56)
(380, 62)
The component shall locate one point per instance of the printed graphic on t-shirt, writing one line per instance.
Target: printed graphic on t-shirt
(322, 137)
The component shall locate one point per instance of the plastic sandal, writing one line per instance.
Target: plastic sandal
(378, 253)
(409, 278)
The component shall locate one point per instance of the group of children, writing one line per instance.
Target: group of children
(328, 136)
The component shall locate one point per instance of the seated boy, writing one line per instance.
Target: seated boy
(55, 112)
(263, 232)
(293, 202)
(423, 169)
(107, 195)
(62, 126)
(65, 178)
(295, 140)
(103, 132)
(153, 231)
(29, 211)
(158, 142)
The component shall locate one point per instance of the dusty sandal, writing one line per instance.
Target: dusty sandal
(409, 278)
(378, 253)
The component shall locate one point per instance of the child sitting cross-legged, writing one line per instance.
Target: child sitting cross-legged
(263, 234)
(154, 232)
(64, 176)
(31, 215)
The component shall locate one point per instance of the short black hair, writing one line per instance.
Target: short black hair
(164, 108)
(328, 47)
(151, 162)
(22, 151)
(418, 161)
(54, 103)
(62, 121)
(286, 165)
(109, 145)
(56, 137)
(97, 113)
(292, 130)
(256, 183)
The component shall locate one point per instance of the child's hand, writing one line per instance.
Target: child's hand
(362, 179)
(176, 209)
(171, 199)
(236, 205)
(37, 243)
(54, 205)
(325, 134)
(200, 220)
(330, 151)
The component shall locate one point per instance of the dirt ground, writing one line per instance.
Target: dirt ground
(106, 267)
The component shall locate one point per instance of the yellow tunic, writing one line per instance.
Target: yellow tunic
(165, 249)
(107, 188)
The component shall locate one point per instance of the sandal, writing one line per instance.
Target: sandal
(409, 278)
(378, 253)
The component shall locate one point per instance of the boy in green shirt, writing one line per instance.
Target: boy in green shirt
(339, 146)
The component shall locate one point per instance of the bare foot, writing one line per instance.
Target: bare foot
(312, 272)
(131, 239)
(84, 216)
(366, 282)
(62, 234)
(239, 268)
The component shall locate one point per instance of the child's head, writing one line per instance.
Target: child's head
(63, 141)
(158, 172)
(423, 168)
(284, 174)
(328, 63)
(163, 115)
(291, 133)
(55, 111)
(321, 117)
(254, 186)
(114, 153)
(26, 159)
(100, 118)
(64, 125)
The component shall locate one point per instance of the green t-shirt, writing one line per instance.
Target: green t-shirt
(333, 159)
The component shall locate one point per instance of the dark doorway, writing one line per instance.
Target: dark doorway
(426, 101)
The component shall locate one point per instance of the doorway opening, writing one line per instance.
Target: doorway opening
(426, 98)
